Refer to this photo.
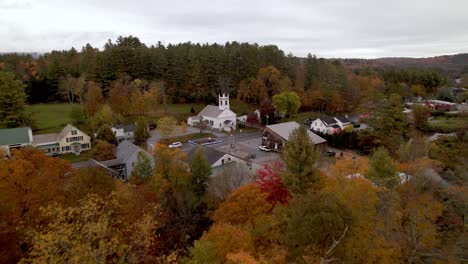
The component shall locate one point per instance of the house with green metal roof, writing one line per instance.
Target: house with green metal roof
(14, 138)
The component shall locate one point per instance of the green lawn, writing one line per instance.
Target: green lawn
(448, 124)
(50, 118)
(72, 158)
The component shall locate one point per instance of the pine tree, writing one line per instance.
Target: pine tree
(143, 168)
(141, 132)
(382, 169)
(300, 155)
(201, 171)
(12, 102)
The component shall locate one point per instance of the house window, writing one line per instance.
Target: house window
(67, 148)
(229, 158)
(85, 146)
(133, 164)
(73, 132)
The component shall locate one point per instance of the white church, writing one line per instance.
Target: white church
(217, 117)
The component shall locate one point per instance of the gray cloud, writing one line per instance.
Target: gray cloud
(333, 28)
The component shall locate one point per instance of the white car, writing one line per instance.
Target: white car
(175, 145)
(264, 148)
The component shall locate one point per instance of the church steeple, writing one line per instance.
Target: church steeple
(223, 101)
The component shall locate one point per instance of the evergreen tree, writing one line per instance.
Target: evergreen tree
(143, 168)
(201, 171)
(141, 132)
(300, 155)
(105, 134)
(382, 169)
(12, 102)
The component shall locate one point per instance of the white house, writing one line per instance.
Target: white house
(325, 125)
(69, 140)
(123, 132)
(217, 117)
(342, 121)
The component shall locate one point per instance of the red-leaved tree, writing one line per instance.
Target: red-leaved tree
(270, 182)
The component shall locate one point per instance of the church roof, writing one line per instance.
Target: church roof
(210, 111)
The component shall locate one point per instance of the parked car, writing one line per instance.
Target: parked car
(355, 124)
(308, 121)
(175, 145)
(331, 153)
(264, 148)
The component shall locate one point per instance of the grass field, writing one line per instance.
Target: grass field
(72, 158)
(448, 124)
(51, 118)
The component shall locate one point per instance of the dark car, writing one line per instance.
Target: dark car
(331, 153)
(308, 121)
(355, 124)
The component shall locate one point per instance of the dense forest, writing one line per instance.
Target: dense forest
(193, 72)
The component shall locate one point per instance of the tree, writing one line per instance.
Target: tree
(201, 171)
(105, 134)
(420, 116)
(270, 182)
(202, 125)
(141, 132)
(243, 206)
(88, 181)
(166, 126)
(389, 122)
(72, 89)
(119, 98)
(12, 101)
(30, 180)
(89, 231)
(287, 103)
(233, 176)
(103, 150)
(93, 99)
(313, 223)
(382, 169)
(103, 117)
(222, 239)
(143, 168)
(300, 156)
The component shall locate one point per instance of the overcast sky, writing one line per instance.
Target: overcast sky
(327, 28)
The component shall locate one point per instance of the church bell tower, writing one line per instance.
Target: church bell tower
(223, 101)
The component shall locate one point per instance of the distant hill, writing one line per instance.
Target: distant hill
(455, 65)
(35, 55)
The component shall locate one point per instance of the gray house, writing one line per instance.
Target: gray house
(122, 166)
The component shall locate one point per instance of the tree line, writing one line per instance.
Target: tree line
(193, 72)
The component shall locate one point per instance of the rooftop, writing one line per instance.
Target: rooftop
(343, 119)
(19, 135)
(284, 130)
(328, 120)
(211, 154)
(45, 138)
(210, 111)
(126, 128)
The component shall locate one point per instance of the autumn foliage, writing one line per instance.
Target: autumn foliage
(271, 183)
